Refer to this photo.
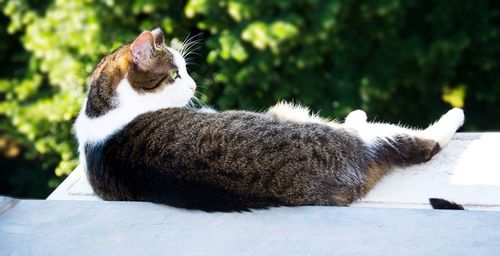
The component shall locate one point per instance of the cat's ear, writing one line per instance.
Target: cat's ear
(142, 50)
(158, 36)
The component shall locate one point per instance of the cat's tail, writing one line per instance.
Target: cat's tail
(442, 204)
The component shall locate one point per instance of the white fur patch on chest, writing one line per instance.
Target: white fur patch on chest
(130, 104)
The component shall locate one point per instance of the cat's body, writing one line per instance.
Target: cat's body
(139, 147)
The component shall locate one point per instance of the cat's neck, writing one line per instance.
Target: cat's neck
(129, 104)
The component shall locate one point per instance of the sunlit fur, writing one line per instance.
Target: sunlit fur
(233, 160)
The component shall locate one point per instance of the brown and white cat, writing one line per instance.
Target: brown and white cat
(139, 141)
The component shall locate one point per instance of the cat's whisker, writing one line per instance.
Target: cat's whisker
(183, 44)
(200, 93)
(186, 39)
(193, 52)
(192, 104)
(195, 38)
(189, 60)
(193, 64)
(198, 99)
(190, 45)
(189, 52)
(200, 102)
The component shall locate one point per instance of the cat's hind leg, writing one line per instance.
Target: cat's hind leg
(441, 131)
(391, 145)
(398, 145)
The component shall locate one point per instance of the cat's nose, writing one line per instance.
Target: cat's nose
(193, 87)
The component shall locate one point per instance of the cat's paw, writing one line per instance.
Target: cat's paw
(442, 131)
(356, 117)
(455, 117)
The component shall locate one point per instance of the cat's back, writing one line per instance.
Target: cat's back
(230, 158)
(179, 138)
(184, 128)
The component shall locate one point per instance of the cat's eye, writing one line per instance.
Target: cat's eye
(174, 74)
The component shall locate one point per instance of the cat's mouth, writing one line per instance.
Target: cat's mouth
(193, 88)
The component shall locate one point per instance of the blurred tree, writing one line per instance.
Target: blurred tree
(399, 60)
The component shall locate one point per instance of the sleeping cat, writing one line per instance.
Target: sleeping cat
(139, 141)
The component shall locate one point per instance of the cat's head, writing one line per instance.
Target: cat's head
(145, 74)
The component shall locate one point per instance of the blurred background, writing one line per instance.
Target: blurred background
(399, 60)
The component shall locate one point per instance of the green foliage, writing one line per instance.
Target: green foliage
(399, 60)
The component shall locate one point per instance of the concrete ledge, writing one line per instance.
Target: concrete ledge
(32, 227)
(74, 187)
(467, 171)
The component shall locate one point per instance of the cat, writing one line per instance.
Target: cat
(139, 141)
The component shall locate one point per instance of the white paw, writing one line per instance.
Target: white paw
(442, 131)
(356, 117)
(455, 117)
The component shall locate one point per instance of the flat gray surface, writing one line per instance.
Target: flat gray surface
(30, 227)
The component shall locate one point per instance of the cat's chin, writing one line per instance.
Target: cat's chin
(182, 104)
(179, 102)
